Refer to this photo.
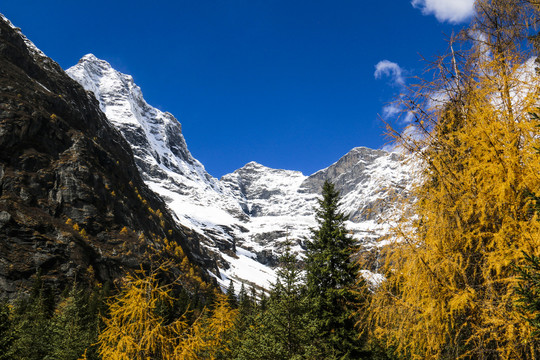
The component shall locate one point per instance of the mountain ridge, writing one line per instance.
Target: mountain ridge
(72, 203)
(246, 216)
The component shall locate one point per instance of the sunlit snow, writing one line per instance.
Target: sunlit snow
(249, 215)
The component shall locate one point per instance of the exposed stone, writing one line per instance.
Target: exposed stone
(346, 173)
(68, 181)
(267, 257)
(5, 218)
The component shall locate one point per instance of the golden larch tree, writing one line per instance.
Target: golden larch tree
(136, 328)
(450, 288)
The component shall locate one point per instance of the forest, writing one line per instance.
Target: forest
(461, 268)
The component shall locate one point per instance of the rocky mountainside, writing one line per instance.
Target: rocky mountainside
(248, 215)
(72, 201)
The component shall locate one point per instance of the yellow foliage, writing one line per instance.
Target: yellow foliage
(179, 252)
(162, 250)
(207, 336)
(450, 285)
(83, 357)
(135, 330)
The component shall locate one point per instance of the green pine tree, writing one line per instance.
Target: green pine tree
(246, 304)
(244, 323)
(231, 296)
(529, 290)
(6, 330)
(253, 297)
(75, 326)
(288, 310)
(332, 281)
(263, 302)
(280, 331)
(32, 324)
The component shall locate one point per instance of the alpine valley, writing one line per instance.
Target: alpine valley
(245, 217)
(71, 144)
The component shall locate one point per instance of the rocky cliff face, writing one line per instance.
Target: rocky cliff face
(371, 181)
(246, 216)
(281, 203)
(196, 198)
(71, 196)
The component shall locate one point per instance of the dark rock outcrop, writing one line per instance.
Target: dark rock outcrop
(346, 173)
(71, 196)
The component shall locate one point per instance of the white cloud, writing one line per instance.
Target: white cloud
(391, 69)
(453, 11)
(397, 112)
(394, 110)
(391, 110)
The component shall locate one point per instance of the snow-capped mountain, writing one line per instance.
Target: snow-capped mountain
(248, 215)
(159, 148)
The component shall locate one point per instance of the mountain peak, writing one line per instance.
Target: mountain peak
(252, 208)
(100, 71)
(90, 57)
(159, 148)
(254, 165)
(123, 103)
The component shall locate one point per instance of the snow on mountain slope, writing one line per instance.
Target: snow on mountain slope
(281, 203)
(37, 54)
(197, 199)
(250, 214)
(278, 210)
(160, 151)
(372, 184)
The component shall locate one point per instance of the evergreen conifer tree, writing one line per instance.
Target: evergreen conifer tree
(246, 305)
(32, 324)
(6, 330)
(243, 296)
(280, 331)
(263, 302)
(75, 325)
(231, 296)
(332, 279)
(253, 297)
(528, 290)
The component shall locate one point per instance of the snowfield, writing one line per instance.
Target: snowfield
(246, 216)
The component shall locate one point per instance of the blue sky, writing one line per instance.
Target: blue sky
(289, 84)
